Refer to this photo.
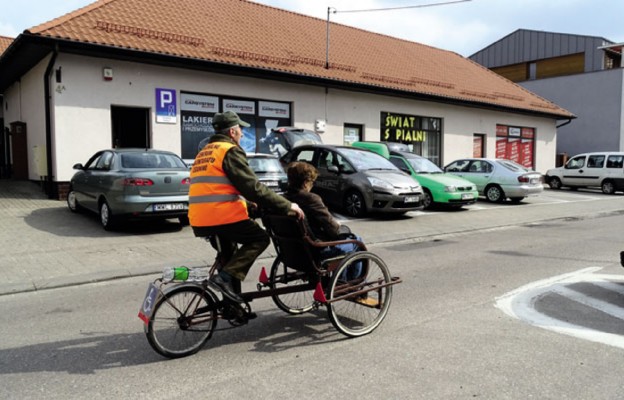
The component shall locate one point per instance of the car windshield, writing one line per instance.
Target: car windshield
(151, 161)
(513, 166)
(265, 164)
(366, 160)
(423, 166)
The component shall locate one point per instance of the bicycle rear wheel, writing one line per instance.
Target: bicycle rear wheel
(361, 299)
(182, 321)
(292, 303)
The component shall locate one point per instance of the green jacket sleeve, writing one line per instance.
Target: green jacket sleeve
(245, 180)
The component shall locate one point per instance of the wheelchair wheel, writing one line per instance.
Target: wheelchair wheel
(292, 303)
(361, 301)
(182, 321)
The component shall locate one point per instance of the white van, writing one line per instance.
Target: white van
(600, 169)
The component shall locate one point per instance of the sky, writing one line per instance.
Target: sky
(462, 26)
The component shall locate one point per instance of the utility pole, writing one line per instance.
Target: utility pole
(332, 10)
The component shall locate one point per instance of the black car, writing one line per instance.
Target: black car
(357, 180)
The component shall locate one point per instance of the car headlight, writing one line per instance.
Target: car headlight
(380, 184)
(450, 189)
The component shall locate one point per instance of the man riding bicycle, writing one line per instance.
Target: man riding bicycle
(221, 181)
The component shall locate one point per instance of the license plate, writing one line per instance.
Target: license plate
(467, 196)
(271, 183)
(411, 199)
(148, 303)
(169, 207)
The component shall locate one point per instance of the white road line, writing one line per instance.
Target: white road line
(519, 304)
(589, 301)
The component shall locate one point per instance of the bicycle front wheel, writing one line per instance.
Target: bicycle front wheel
(359, 294)
(182, 321)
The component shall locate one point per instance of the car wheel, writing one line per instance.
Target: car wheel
(607, 187)
(106, 216)
(516, 200)
(72, 203)
(494, 194)
(554, 183)
(184, 221)
(354, 204)
(427, 199)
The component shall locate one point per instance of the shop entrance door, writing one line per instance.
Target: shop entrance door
(130, 127)
(19, 151)
(478, 145)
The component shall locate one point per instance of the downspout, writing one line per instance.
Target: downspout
(51, 190)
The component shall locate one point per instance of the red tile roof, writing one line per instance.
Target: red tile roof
(4, 43)
(244, 33)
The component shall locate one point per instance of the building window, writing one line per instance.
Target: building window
(197, 110)
(423, 135)
(516, 144)
(352, 133)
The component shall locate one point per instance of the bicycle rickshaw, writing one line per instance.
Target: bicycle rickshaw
(180, 317)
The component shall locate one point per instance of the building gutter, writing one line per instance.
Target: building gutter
(51, 190)
(565, 123)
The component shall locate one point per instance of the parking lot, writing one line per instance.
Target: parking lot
(48, 246)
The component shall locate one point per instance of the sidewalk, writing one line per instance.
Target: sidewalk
(44, 245)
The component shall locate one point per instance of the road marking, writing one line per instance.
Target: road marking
(519, 304)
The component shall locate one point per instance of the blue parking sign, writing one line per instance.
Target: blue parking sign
(166, 106)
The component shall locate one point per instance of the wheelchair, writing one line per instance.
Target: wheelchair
(356, 289)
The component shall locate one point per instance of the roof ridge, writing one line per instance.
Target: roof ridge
(67, 17)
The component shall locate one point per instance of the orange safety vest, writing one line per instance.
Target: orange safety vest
(213, 200)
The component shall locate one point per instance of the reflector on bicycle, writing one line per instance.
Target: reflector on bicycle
(319, 294)
(148, 303)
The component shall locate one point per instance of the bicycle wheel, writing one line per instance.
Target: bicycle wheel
(182, 321)
(362, 301)
(292, 303)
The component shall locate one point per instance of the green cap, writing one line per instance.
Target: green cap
(226, 120)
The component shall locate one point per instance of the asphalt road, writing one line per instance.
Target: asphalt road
(508, 312)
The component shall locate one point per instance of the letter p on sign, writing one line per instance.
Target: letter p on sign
(166, 107)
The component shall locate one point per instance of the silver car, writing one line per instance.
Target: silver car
(498, 179)
(269, 171)
(131, 183)
(359, 181)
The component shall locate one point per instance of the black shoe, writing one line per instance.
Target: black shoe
(226, 288)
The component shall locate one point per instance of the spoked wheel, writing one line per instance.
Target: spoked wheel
(494, 194)
(182, 321)
(292, 303)
(72, 202)
(107, 219)
(361, 299)
(354, 204)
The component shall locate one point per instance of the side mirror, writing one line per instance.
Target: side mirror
(78, 166)
(333, 168)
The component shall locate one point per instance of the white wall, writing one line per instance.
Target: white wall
(25, 102)
(82, 122)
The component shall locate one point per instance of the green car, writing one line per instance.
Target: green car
(439, 187)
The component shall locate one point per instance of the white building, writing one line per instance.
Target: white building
(132, 73)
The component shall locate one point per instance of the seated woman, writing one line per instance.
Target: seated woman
(322, 224)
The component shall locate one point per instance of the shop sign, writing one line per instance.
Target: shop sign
(269, 109)
(199, 103)
(401, 128)
(239, 106)
(166, 109)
